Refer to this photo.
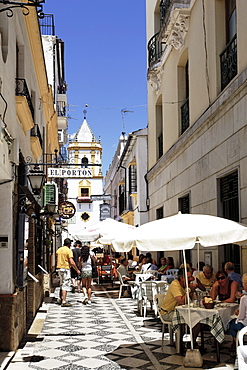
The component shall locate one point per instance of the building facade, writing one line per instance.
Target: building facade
(28, 131)
(197, 72)
(125, 180)
(86, 153)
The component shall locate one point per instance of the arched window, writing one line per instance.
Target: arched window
(84, 162)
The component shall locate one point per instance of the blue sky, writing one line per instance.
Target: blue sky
(105, 64)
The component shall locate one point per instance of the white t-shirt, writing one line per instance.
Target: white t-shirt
(87, 266)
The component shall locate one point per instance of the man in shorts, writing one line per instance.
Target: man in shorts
(65, 260)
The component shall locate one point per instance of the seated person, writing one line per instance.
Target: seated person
(206, 277)
(123, 270)
(232, 275)
(106, 259)
(148, 265)
(192, 269)
(201, 265)
(131, 263)
(241, 321)
(140, 263)
(224, 288)
(148, 255)
(170, 263)
(176, 295)
(163, 266)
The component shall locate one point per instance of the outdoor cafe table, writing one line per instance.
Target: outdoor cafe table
(217, 318)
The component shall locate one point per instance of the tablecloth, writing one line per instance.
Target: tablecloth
(215, 323)
(225, 310)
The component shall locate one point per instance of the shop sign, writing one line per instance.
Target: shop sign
(70, 172)
(101, 197)
(66, 210)
(105, 211)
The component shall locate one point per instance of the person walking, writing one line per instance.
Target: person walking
(74, 276)
(86, 272)
(64, 257)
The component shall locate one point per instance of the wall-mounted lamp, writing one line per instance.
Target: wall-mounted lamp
(51, 208)
(24, 6)
(37, 179)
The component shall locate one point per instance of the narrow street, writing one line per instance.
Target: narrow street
(108, 334)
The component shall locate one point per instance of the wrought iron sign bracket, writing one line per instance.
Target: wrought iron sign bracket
(24, 6)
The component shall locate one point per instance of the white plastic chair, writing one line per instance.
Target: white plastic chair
(152, 272)
(158, 299)
(146, 293)
(161, 288)
(170, 275)
(122, 284)
(242, 350)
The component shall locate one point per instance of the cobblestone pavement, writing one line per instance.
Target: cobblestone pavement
(109, 334)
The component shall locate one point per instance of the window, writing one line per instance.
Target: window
(84, 162)
(228, 57)
(159, 128)
(184, 109)
(184, 207)
(159, 213)
(230, 209)
(121, 198)
(184, 204)
(231, 26)
(85, 192)
(132, 179)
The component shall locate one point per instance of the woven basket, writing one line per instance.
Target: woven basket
(208, 305)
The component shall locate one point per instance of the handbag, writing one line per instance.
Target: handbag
(94, 269)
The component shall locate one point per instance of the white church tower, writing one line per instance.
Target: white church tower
(85, 150)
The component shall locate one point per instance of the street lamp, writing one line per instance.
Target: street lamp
(17, 4)
(36, 178)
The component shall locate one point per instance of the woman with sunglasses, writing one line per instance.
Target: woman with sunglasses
(224, 288)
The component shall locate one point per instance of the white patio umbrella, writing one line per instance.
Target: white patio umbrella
(86, 235)
(181, 232)
(110, 229)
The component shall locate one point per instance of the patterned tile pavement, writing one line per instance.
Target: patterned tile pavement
(106, 335)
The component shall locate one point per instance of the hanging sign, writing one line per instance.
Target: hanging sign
(70, 172)
(66, 210)
(105, 211)
(101, 197)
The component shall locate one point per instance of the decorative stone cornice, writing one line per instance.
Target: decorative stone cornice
(176, 30)
(154, 77)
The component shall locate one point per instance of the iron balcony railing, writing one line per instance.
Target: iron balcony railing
(155, 49)
(46, 25)
(185, 115)
(61, 109)
(164, 6)
(229, 63)
(35, 132)
(167, 5)
(160, 145)
(21, 89)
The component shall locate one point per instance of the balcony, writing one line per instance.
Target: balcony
(24, 106)
(46, 25)
(36, 141)
(61, 109)
(21, 89)
(174, 25)
(185, 115)
(229, 63)
(155, 49)
(164, 7)
(85, 199)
